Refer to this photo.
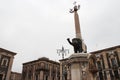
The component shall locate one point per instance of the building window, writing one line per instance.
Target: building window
(114, 64)
(36, 76)
(46, 66)
(46, 77)
(53, 78)
(100, 70)
(4, 62)
(65, 73)
(99, 65)
(100, 75)
(109, 66)
(117, 57)
(116, 74)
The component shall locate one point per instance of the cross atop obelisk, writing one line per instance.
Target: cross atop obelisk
(76, 18)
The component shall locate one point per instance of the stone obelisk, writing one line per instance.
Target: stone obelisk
(76, 65)
(76, 19)
(81, 45)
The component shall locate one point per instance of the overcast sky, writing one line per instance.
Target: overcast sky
(37, 28)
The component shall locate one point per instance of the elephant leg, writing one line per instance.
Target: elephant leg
(75, 50)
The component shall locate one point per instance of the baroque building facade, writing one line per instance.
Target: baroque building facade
(6, 61)
(41, 69)
(15, 76)
(108, 63)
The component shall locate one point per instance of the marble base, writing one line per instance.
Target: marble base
(75, 72)
(77, 61)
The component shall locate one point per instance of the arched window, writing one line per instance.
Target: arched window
(4, 62)
(99, 65)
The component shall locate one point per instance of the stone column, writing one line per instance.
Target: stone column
(50, 77)
(41, 75)
(69, 72)
(33, 78)
(9, 68)
(118, 50)
(106, 65)
(61, 68)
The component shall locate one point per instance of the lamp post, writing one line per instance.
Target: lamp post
(62, 52)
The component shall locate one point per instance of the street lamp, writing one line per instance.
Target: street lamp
(63, 52)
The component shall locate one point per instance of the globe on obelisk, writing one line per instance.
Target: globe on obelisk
(77, 43)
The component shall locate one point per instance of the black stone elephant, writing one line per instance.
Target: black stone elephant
(77, 44)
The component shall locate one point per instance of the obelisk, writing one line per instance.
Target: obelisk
(80, 47)
(76, 19)
(77, 62)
